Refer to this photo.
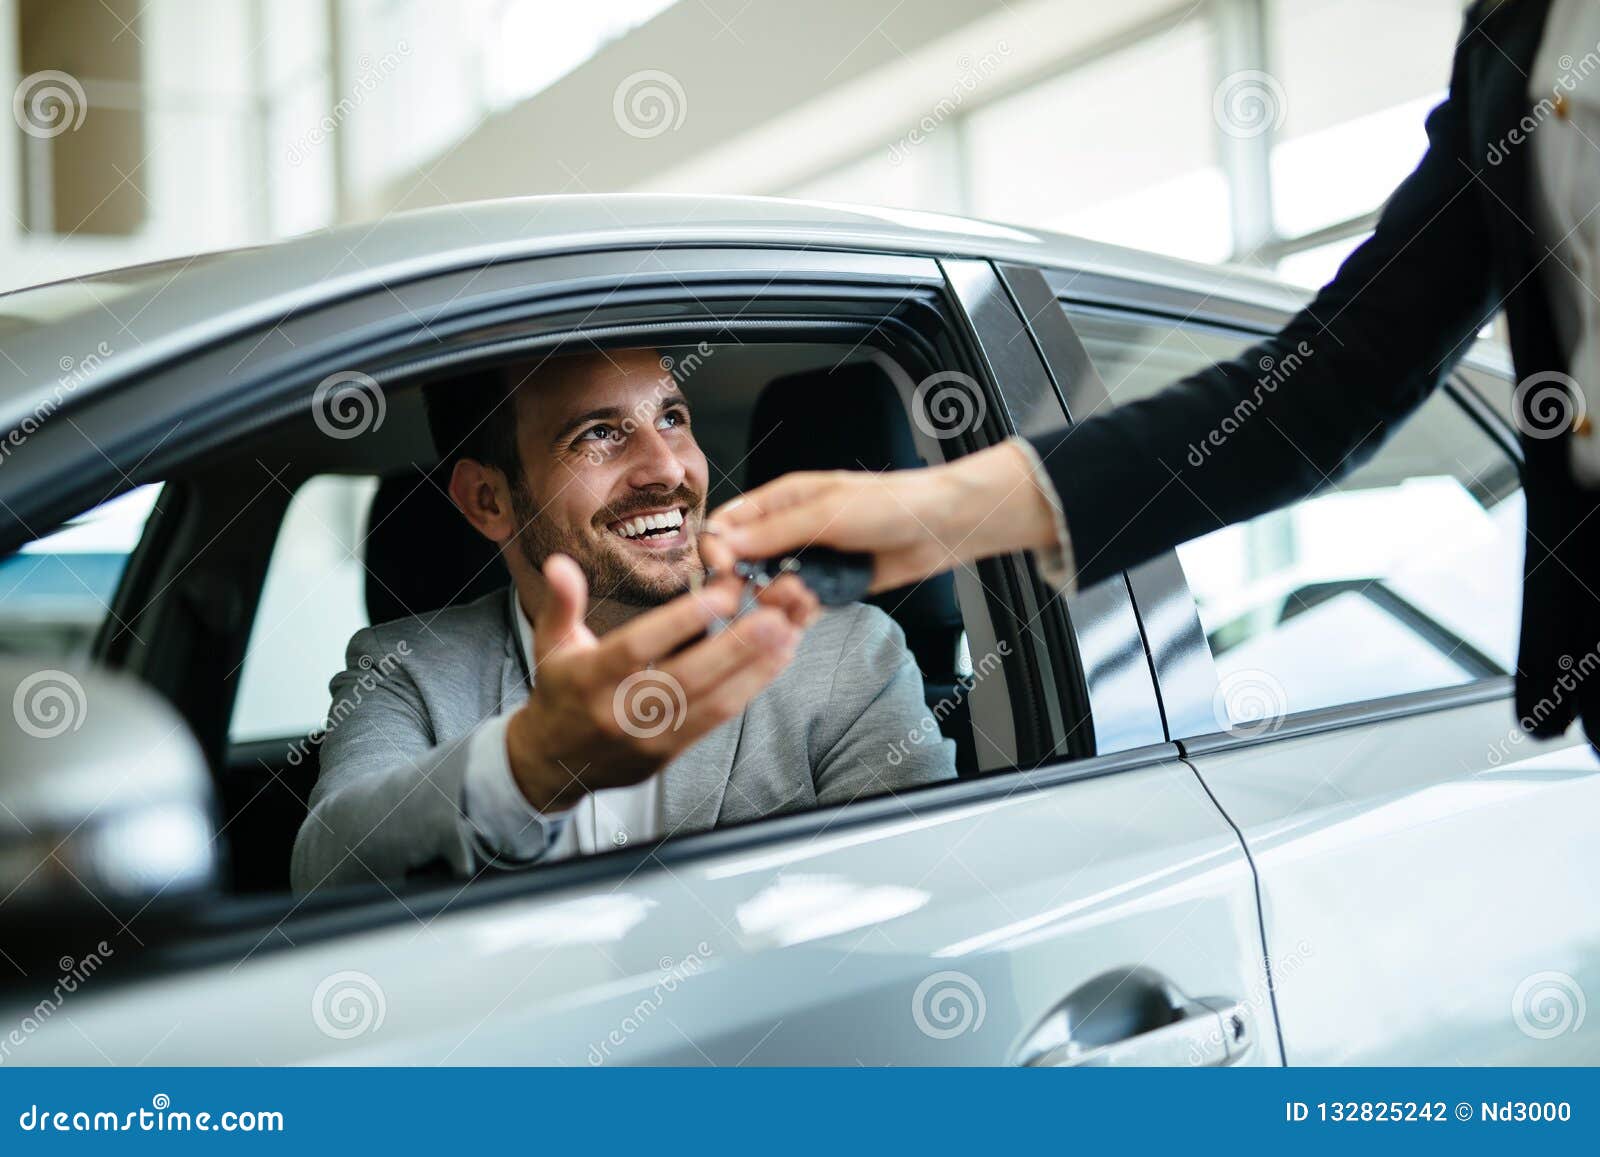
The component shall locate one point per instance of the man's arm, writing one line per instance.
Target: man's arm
(392, 798)
(1361, 357)
(879, 735)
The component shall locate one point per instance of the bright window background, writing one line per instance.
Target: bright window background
(1124, 147)
(57, 590)
(262, 118)
(313, 600)
(1403, 576)
(1111, 157)
(1358, 77)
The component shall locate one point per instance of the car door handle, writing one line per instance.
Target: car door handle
(1133, 1016)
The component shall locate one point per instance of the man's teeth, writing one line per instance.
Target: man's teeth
(647, 523)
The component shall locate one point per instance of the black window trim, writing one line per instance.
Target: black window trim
(1011, 367)
(1113, 659)
(245, 373)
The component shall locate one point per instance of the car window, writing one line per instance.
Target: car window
(312, 601)
(398, 543)
(56, 591)
(1402, 576)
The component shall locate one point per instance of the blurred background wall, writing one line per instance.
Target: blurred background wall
(1259, 131)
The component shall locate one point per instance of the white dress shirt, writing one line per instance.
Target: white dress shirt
(1056, 564)
(495, 806)
(1566, 191)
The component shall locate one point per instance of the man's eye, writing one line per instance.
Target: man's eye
(599, 433)
(673, 418)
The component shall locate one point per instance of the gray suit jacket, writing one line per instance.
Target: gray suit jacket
(388, 799)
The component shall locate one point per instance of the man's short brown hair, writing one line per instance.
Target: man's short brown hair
(474, 415)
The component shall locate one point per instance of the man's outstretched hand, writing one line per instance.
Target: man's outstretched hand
(612, 711)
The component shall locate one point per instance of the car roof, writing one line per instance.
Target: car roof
(84, 333)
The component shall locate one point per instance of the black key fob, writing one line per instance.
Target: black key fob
(836, 577)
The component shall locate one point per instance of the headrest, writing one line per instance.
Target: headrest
(847, 418)
(421, 554)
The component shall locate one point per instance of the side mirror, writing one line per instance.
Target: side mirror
(108, 805)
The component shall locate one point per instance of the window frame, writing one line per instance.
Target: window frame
(1186, 673)
(1111, 651)
(494, 329)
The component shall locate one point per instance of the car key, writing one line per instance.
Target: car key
(836, 577)
(747, 603)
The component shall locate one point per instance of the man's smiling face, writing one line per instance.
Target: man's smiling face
(612, 474)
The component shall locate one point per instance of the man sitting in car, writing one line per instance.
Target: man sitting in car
(593, 704)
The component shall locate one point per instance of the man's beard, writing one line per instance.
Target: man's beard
(610, 576)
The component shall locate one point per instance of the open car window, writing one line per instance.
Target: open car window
(56, 592)
(370, 537)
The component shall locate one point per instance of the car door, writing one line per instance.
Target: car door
(1093, 907)
(1422, 864)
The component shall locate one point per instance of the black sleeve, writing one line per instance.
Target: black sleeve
(1304, 406)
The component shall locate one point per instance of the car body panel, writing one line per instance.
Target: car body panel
(940, 939)
(1426, 881)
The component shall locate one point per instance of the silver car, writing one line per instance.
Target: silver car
(1259, 801)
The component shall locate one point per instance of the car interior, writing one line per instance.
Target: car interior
(233, 534)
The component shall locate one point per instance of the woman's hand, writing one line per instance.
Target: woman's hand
(914, 523)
